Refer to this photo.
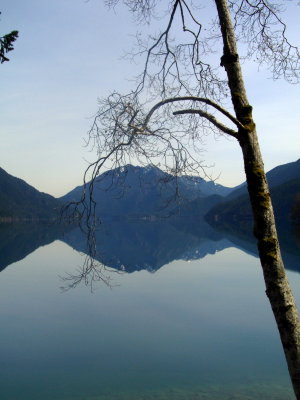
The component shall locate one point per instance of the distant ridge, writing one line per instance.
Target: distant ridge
(276, 176)
(20, 201)
(284, 183)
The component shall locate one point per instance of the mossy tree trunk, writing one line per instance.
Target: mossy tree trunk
(277, 286)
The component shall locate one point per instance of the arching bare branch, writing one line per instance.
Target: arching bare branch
(193, 99)
(182, 82)
(210, 118)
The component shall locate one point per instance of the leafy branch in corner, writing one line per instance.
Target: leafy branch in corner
(6, 44)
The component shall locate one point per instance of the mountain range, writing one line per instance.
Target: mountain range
(148, 192)
(130, 196)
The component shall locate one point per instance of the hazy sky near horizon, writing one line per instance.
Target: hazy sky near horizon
(68, 54)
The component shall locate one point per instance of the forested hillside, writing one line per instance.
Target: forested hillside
(18, 200)
(284, 182)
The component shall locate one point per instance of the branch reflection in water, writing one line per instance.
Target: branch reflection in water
(121, 245)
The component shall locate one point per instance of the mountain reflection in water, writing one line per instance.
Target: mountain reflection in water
(137, 245)
(192, 330)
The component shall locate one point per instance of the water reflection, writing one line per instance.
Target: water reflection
(137, 245)
(241, 237)
(18, 240)
(187, 332)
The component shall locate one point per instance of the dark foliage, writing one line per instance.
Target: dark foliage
(6, 44)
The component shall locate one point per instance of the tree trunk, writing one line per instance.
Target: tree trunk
(277, 286)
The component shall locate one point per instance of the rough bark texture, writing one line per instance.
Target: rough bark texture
(277, 286)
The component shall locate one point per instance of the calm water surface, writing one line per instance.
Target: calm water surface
(200, 329)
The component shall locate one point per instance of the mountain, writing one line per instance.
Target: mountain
(143, 191)
(275, 176)
(18, 200)
(284, 173)
(207, 188)
(284, 182)
(137, 192)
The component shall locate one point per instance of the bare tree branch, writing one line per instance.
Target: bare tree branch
(210, 118)
(259, 25)
(193, 99)
(178, 80)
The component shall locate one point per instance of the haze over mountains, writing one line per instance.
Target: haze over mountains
(147, 191)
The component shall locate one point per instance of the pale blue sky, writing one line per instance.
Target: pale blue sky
(69, 54)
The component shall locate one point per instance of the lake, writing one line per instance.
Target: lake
(185, 316)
